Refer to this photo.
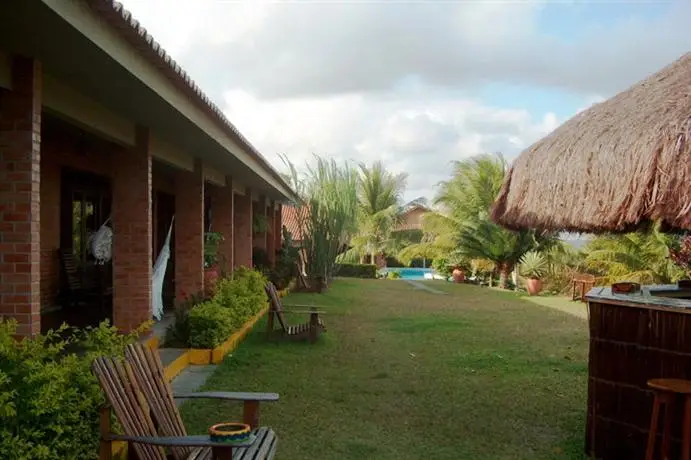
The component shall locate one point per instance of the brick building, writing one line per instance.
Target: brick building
(97, 122)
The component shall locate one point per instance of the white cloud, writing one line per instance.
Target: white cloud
(377, 80)
(418, 136)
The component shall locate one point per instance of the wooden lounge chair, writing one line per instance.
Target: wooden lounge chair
(310, 330)
(144, 404)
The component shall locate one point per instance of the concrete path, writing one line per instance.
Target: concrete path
(191, 380)
(424, 287)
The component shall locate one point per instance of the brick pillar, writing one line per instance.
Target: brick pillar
(20, 176)
(222, 221)
(132, 233)
(271, 233)
(189, 231)
(278, 225)
(242, 237)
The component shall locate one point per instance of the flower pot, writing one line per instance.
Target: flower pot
(534, 286)
(458, 275)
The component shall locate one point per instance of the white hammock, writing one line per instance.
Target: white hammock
(159, 272)
(100, 243)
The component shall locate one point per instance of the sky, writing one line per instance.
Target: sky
(417, 84)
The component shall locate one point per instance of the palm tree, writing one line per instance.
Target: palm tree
(467, 198)
(640, 256)
(379, 209)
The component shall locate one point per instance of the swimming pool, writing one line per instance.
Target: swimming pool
(410, 273)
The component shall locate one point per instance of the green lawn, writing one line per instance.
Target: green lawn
(406, 374)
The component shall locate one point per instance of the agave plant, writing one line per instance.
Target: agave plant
(533, 265)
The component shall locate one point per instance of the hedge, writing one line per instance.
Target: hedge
(236, 300)
(356, 270)
(49, 399)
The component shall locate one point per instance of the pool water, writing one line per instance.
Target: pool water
(410, 273)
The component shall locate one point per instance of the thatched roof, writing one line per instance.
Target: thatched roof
(613, 167)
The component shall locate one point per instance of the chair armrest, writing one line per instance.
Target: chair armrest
(291, 305)
(229, 396)
(178, 441)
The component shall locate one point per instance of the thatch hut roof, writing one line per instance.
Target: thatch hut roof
(613, 167)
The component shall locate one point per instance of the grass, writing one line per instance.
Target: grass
(406, 374)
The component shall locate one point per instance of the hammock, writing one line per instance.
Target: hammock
(100, 243)
(159, 272)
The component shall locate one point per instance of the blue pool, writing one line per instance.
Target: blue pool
(410, 273)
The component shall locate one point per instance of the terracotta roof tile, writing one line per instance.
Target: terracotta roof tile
(121, 19)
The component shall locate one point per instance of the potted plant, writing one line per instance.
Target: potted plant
(458, 274)
(211, 243)
(533, 266)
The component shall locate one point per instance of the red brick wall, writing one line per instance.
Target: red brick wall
(222, 221)
(189, 231)
(20, 153)
(132, 228)
(270, 234)
(243, 230)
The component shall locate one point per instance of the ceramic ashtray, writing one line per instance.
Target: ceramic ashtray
(230, 432)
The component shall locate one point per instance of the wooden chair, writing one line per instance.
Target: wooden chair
(144, 404)
(581, 283)
(310, 330)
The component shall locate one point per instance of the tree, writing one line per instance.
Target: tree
(640, 256)
(379, 210)
(467, 198)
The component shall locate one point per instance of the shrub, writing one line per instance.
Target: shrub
(210, 325)
(237, 299)
(178, 333)
(357, 270)
(393, 275)
(49, 399)
(533, 265)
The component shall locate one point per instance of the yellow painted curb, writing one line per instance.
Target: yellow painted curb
(218, 353)
(119, 450)
(177, 366)
(153, 343)
(200, 356)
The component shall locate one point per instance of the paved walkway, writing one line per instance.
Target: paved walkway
(424, 287)
(191, 379)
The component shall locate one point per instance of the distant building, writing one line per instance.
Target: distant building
(411, 218)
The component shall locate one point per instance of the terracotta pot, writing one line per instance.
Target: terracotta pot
(458, 275)
(534, 286)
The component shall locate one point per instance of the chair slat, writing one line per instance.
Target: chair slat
(120, 394)
(148, 372)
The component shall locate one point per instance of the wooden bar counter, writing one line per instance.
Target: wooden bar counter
(633, 338)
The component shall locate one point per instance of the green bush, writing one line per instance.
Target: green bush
(393, 275)
(237, 299)
(210, 325)
(356, 270)
(49, 399)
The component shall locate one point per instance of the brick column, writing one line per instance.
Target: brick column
(271, 233)
(222, 219)
(132, 233)
(278, 225)
(189, 231)
(242, 236)
(20, 160)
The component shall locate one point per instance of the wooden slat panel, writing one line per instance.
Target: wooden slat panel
(121, 394)
(149, 373)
